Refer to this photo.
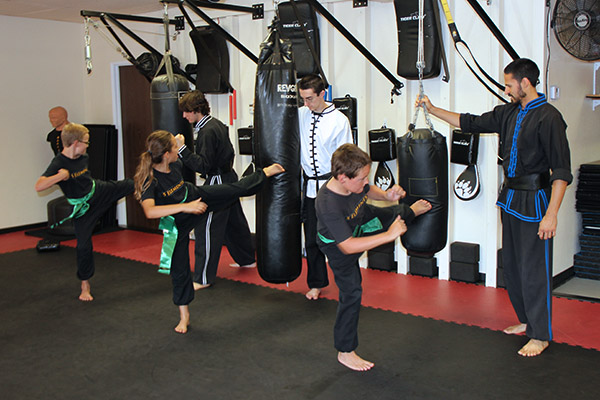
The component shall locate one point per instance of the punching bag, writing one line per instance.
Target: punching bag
(277, 139)
(407, 18)
(165, 91)
(423, 173)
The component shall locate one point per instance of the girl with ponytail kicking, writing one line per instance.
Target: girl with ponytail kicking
(160, 188)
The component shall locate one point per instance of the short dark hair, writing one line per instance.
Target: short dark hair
(194, 101)
(312, 81)
(523, 68)
(347, 160)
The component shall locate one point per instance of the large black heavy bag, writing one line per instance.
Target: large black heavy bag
(291, 29)
(407, 19)
(276, 139)
(423, 173)
(165, 91)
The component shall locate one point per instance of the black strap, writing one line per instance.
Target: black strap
(493, 28)
(436, 10)
(457, 39)
(529, 182)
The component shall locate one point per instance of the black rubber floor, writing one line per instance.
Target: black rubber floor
(245, 342)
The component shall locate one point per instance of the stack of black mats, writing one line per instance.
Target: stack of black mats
(587, 262)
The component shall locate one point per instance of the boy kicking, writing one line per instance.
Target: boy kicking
(347, 226)
(90, 198)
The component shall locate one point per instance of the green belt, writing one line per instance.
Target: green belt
(167, 224)
(80, 206)
(373, 225)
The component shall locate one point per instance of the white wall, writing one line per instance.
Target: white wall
(42, 64)
(90, 99)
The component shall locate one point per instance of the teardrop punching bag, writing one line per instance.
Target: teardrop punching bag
(164, 108)
(277, 139)
(423, 174)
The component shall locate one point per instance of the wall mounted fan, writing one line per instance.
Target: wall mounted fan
(576, 24)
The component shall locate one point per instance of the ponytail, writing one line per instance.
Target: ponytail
(143, 175)
(157, 144)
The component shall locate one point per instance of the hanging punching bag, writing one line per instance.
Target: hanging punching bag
(423, 173)
(164, 109)
(276, 139)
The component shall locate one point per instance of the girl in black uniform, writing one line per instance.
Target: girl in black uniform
(160, 188)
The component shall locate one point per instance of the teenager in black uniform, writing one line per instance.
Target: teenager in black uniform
(215, 163)
(537, 169)
(160, 187)
(58, 119)
(347, 226)
(90, 197)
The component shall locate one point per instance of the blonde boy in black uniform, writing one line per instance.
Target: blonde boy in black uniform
(90, 198)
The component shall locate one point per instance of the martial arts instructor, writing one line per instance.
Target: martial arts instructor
(537, 169)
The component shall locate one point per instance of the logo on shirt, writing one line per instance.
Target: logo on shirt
(173, 189)
(357, 208)
(78, 173)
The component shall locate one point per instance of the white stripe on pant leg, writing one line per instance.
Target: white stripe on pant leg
(215, 180)
(207, 247)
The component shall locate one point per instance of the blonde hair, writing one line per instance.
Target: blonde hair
(72, 132)
(157, 144)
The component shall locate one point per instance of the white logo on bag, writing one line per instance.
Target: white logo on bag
(382, 139)
(412, 17)
(286, 87)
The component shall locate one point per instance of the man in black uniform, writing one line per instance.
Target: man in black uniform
(215, 164)
(58, 119)
(537, 169)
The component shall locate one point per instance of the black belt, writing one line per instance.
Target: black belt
(529, 182)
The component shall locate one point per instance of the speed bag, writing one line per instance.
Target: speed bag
(164, 110)
(291, 29)
(407, 19)
(423, 174)
(347, 105)
(277, 139)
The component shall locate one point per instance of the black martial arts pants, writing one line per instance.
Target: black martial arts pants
(527, 263)
(348, 278)
(227, 227)
(105, 195)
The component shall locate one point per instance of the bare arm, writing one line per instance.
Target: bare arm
(450, 117)
(355, 245)
(548, 224)
(152, 211)
(44, 182)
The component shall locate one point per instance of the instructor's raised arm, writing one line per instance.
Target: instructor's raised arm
(450, 117)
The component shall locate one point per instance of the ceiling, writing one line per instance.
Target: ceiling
(69, 10)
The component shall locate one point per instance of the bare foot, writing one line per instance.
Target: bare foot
(353, 361)
(313, 294)
(200, 286)
(184, 319)
(420, 207)
(533, 348)
(236, 265)
(86, 294)
(515, 329)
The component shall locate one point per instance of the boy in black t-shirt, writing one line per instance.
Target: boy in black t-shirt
(90, 197)
(347, 226)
